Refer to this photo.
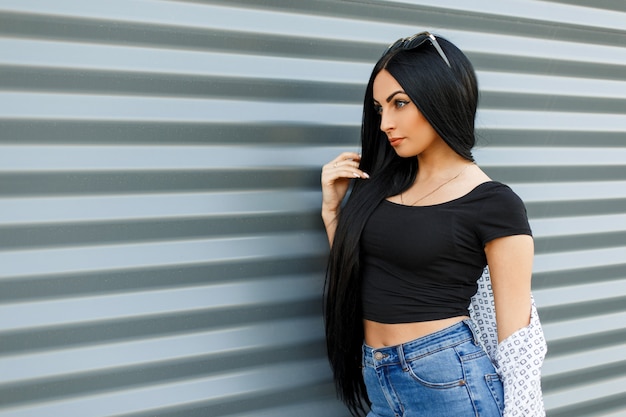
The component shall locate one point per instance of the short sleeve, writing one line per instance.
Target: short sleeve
(502, 213)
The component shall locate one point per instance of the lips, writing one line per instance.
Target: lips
(395, 141)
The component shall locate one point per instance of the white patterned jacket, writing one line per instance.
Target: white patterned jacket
(517, 359)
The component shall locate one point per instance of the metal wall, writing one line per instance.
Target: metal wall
(161, 252)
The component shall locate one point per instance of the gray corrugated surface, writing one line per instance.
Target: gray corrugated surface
(161, 253)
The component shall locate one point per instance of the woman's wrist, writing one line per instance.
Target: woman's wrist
(330, 223)
(329, 216)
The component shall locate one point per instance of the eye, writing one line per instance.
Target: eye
(401, 103)
(378, 108)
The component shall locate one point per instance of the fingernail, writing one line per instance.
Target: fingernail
(366, 175)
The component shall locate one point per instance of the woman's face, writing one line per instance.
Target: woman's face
(408, 132)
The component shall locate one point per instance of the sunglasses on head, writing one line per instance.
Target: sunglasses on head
(415, 41)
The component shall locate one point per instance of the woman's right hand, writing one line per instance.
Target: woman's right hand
(336, 176)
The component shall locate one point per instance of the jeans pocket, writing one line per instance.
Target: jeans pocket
(496, 389)
(439, 369)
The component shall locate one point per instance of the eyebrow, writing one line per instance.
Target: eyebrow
(391, 96)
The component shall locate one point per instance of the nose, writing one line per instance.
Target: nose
(386, 122)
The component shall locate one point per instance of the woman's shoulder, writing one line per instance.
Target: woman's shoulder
(492, 186)
(497, 189)
(489, 189)
(496, 194)
(478, 185)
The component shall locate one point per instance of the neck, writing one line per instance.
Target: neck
(434, 167)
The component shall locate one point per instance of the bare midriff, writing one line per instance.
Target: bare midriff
(378, 335)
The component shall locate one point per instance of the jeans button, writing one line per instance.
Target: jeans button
(378, 356)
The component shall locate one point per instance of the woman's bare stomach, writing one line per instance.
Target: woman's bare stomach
(378, 335)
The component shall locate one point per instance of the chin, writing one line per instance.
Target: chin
(405, 154)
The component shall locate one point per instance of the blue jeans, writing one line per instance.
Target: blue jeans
(446, 373)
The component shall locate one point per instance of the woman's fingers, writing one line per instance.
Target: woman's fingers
(347, 155)
(350, 157)
(347, 169)
(345, 165)
(336, 176)
(333, 173)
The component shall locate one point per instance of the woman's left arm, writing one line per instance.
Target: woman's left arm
(510, 261)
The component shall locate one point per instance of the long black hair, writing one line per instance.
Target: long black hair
(447, 97)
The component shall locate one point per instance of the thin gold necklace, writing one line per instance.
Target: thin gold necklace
(433, 191)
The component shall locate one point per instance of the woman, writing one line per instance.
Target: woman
(410, 244)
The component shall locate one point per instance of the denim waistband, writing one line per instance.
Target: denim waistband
(392, 355)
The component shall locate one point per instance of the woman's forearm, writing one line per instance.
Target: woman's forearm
(330, 223)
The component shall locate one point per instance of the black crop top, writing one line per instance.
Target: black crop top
(421, 263)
